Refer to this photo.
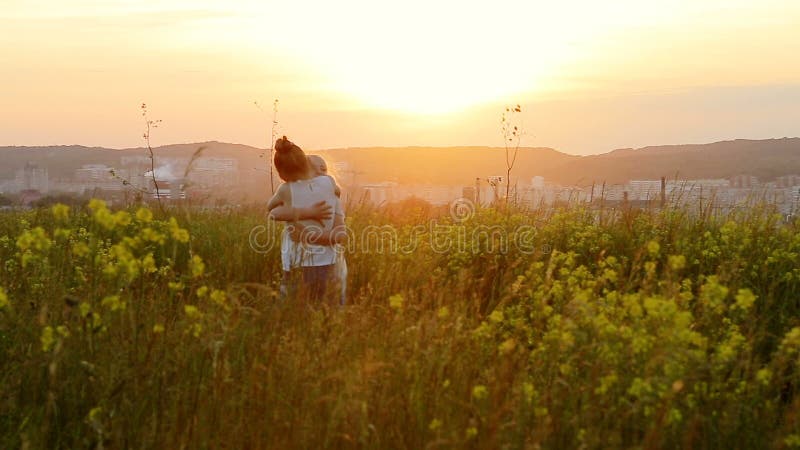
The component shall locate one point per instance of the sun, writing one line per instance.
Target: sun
(418, 57)
(424, 84)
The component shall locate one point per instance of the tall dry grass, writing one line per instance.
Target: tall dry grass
(644, 329)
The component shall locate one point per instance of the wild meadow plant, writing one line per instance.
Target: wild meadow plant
(646, 329)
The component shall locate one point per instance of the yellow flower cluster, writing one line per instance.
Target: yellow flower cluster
(177, 233)
(113, 303)
(480, 392)
(105, 218)
(60, 212)
(195, 317)
(396, 302)
(196, 266)
(47, 339)
(34, 239)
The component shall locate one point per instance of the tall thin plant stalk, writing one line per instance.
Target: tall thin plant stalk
(511, 140)
(149, 125)
(273, 137)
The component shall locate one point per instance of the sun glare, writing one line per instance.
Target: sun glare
(416, 57)
(426, 81)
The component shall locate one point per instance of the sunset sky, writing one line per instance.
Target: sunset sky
(590, 76)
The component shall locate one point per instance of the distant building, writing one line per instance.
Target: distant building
(469, 193)
(710, 183)
(32, 178)
(213, 172)
(644, 189)
(787, 181)
(743, 181)
(340, 167)
(93, 173)
(168, 189)
(216, 164)
(379, 193)
(614, 192)
(94, 177)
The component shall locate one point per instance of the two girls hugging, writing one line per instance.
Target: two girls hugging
(312, 258)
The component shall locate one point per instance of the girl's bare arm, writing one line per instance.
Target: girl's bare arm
(336, 235)
(319, 211)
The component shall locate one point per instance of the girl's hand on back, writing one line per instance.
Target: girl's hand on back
(318, 211)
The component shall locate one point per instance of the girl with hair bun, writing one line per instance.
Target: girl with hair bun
(315, 223)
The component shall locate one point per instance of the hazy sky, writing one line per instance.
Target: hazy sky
(590, 76)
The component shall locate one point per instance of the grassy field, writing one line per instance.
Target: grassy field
(131, 329)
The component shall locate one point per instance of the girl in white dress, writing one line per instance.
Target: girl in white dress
(306, 200)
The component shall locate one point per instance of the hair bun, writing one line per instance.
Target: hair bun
(283, 144)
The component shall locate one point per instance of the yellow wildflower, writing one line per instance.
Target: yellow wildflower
(113, 302)
(218, 297)
(101, 214)
(471, 432)
(396, 301)
(764, 376)
(792, 441)
(606, 383)
(192, 312)
(94, 414)
(653, 248)
(149, 234)
(144, 215)
(480, 392)
(674, 416)
(528, 391)
(676, 262)
(96, 204)
(196, 266)
(3, 299)
(178, 233)
(97, 321)
(158, 328)
(34, 239)
(195, 329)
(744, 299)
(80, 249)
(60, 212)
(496, 316)
(435, 424)
(148, 263)
(122, 218)
(507, 346)
(443, 312)
(202, 291)
(47, 339)
(62, 233)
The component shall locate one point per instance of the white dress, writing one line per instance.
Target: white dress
(305, 193)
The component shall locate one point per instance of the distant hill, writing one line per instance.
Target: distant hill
(765, 159)
(62, 160)
(442, 165)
